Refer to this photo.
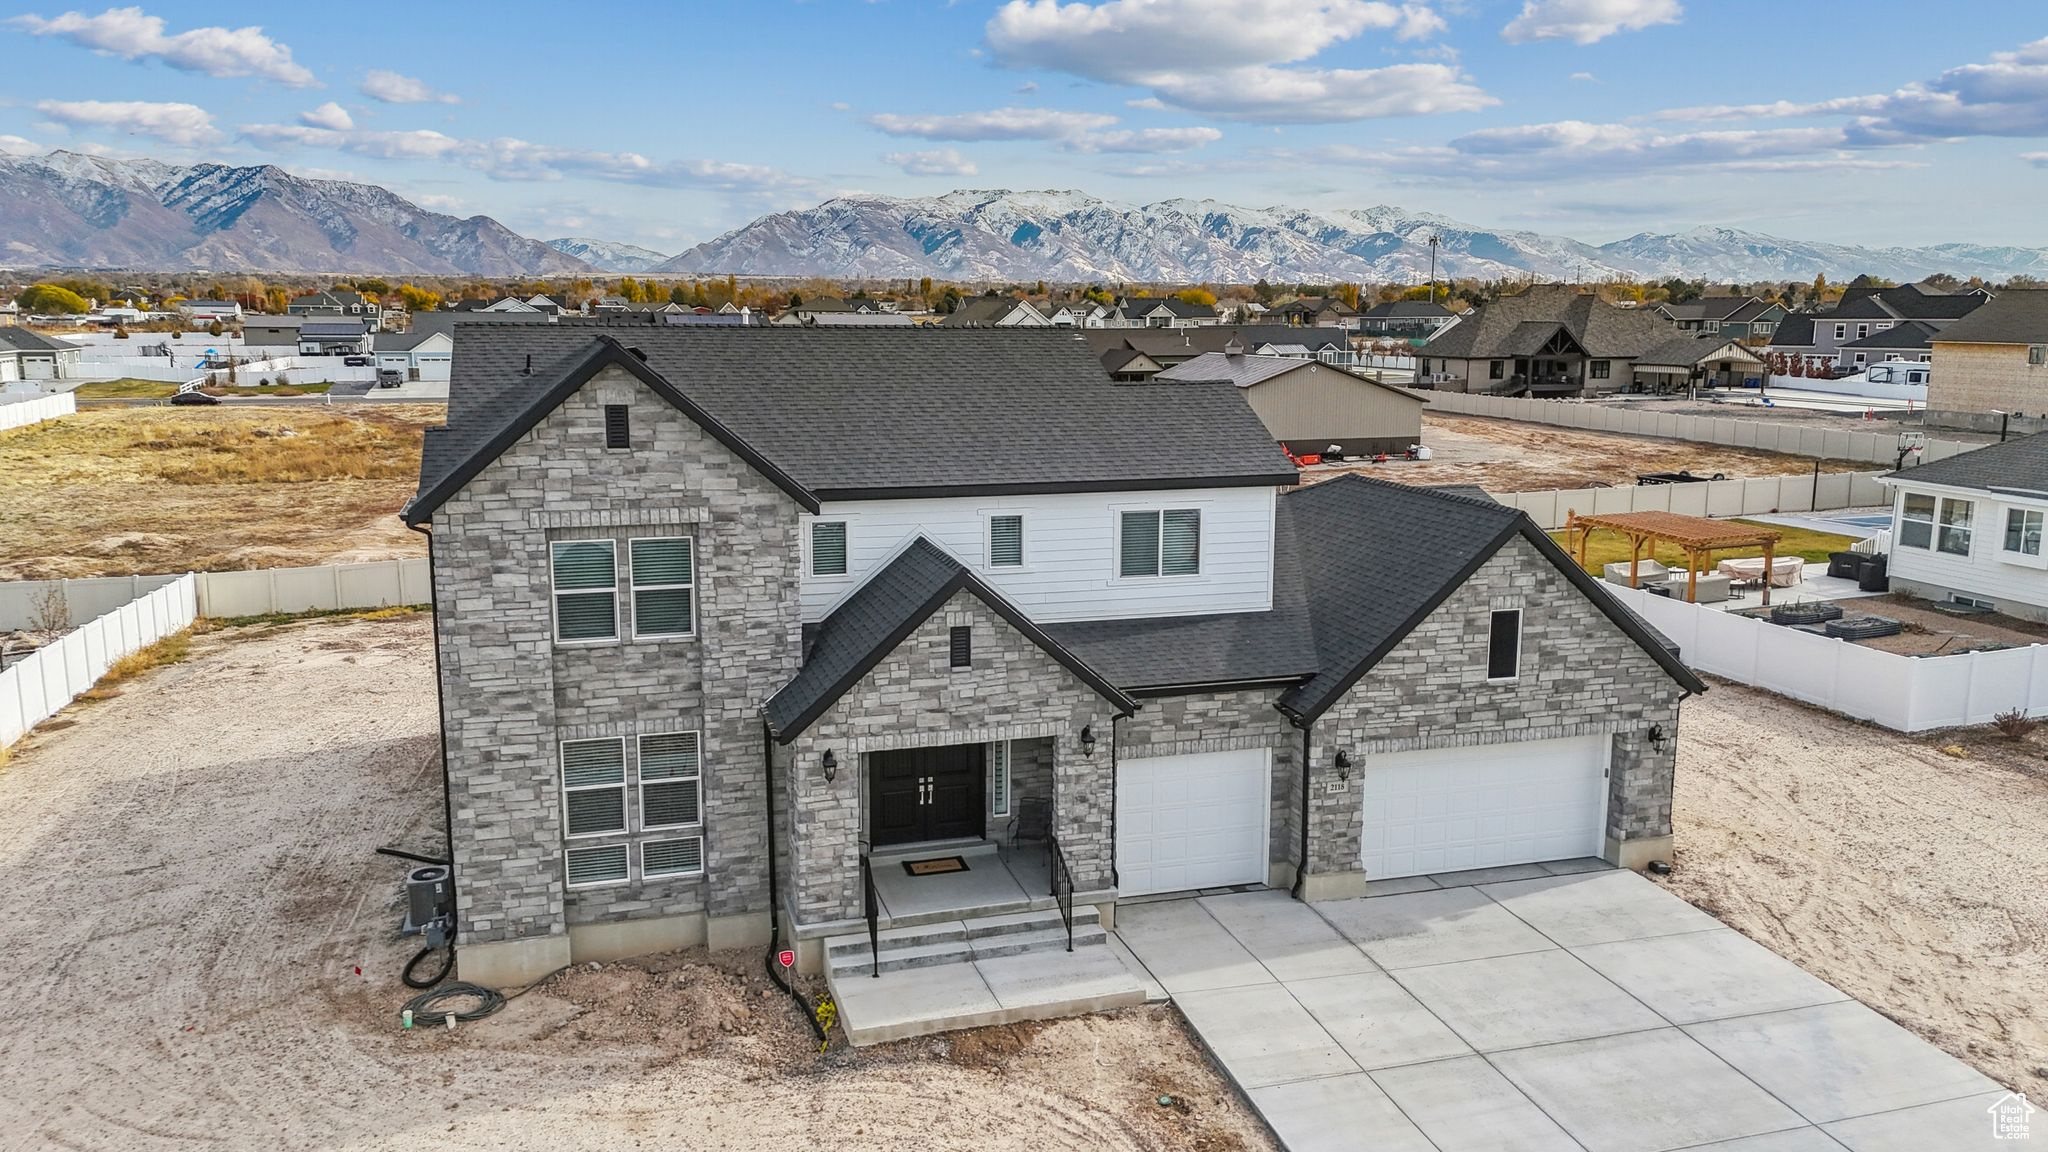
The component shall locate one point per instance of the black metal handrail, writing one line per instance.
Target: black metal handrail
(1062, 884)
(871, 904)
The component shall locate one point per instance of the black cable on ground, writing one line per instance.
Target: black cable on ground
(440, 974)
(435, 1006)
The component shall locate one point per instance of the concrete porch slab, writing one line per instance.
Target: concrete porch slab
(1185, 949)
(1706, 976)
(1515, 1001)
(1263, 1035)
(1835, 1061)
(1286, 935)
(1465, 1105)
(986, 885)
(1376, 1021)
(1599, 908)
(1644, 1090)
(1088, 979)
(1440, 926)
(1334, 1113)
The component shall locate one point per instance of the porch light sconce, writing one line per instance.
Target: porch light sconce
(1657, 737)
(1087, 740)
(1343, 765)
(831, 766)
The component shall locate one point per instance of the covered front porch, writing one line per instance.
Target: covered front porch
(916, 884)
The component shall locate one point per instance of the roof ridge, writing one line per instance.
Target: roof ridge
(1473, 501)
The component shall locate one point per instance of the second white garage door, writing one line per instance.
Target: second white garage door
(1196, 821)
(1449, 809)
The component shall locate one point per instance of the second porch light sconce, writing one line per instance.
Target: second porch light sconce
(1343, 765)
(1087, 740)
(831, 766)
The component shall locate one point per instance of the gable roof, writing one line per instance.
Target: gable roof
(1712, 308)
(1379, 557)
(882, 413)
(880, 615)
(2018, 466)
(1246, 371)
(2011, 317)
(28, 340)
(1909, 334)
(1794, 331)
(1407, 309)
(986, 310)
(1688, 349)
(1187, 343)
(1519, 325)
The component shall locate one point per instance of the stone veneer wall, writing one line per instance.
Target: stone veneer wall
(512, 694)
(1580, 675)
(915, 698)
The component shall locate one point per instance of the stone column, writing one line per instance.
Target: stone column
(1335, 825)
(1639, 781)
(1083, 800)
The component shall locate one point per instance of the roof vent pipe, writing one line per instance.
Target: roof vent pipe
(529, 365)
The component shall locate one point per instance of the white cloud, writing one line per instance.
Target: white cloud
(1144, 140)
(19, 145)
(435, 202)
(328, 115)
(186, 125)
(132, 34)
(1235, 59)
(2037, 159)
(996, 124)
(392, 88)
(1585, 77)
(1587, 21)
(935, 162)
(1027, 88)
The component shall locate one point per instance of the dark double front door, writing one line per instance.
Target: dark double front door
(926, 794)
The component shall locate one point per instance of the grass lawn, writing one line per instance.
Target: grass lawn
(127, 388)
(1611, 547)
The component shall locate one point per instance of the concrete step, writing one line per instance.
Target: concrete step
(1053, 939)
(995, 990)
(1036, 920)
(925, 945)
(896, 958)
(939, 932)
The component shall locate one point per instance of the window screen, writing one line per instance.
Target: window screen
(1139, 550)
(828, 548)
(585, 584)
(593, 786)
(1180, 547)
(664, 571)
(672, 857)
(1005, 541)
(669, 780)
(604, 865)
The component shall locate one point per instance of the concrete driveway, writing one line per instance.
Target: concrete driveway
(1567, 1007)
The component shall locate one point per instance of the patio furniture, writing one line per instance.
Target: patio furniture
(1698, 536)
(1032, 823)
(1707, 587)
(1785, 570)
(1648, 572)
(1872, 575)
(1844, 565)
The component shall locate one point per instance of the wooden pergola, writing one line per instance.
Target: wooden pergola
(1697, 536)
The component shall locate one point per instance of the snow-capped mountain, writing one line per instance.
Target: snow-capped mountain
(607, 256)
(1003, 235)
(67, 208)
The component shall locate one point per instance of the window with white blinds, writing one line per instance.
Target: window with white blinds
(828, 548)
(586, 582)
(593, 787)
(591, 867)
(1167, 542)
(1005, 541)
(671, 795)
(681, 857)
(664, 586)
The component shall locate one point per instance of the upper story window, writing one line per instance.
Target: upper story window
(828, 547)
(2023, 531)
(671, 793)
(617, 427)
(2037, 354)
(1952, 531)
(1504, 645)
(1862, 330)
(1005, 541)
(1162, 542)
(593, 787)
(664, 572)
(586, 585)
(1841, 331)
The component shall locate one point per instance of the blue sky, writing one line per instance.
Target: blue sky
(1879, 121)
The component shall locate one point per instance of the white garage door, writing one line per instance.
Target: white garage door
(1449, 809)
(1195, 821)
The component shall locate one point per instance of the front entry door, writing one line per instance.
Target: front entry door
(926, 794)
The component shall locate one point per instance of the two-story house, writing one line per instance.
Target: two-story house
(1969, 528)
(744, 633)
(1729, 317)
(1835, 338)
(337, 302)
(1995, 359)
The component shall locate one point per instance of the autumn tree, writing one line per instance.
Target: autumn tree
(51, 299)
(1199, 297)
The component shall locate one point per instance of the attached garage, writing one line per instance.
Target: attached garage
(1449, 809)
(1194, 821)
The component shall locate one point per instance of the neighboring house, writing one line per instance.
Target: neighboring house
(832, 319)
(34, 356)
(728, 621)
(1168, 347)
(1084, 314)
(271, 335)
(1995, 359)
(1313, 312)
(10, 313)
(1823, 337)
(339, 302)
(1548, 340)
(1405, 320)
(445, 321)
(995, 312)
(1161, 312)
(506, 304)
(320, 336)
(207, 311)
(1732, 317)
(420, 355)
(1698, 361)
(1969, 528)
(1907, 340)
(1311, 407)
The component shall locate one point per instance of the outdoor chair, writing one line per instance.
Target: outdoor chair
(1032, 823)
(1648, 572)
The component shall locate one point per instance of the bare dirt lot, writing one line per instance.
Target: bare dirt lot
(1912, 873)
(1508, 456)
(114, 491)
(201, 952)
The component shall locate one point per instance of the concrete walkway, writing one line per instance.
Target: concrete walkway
(1568, 1007)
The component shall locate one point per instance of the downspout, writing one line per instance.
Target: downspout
(775, 887)
(441, 711)
(1301, 867)
(1113, 782)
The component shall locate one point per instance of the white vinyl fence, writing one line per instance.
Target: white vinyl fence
(52, 676)
(1880, 447)
(257, 592)
(22, 413)
(1904, 693)
(1749, 496)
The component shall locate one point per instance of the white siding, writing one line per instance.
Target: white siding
(1986, 571)
(1069, 551)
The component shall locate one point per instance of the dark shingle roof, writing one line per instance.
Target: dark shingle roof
(1911, 334)
(1712, 308)
(1402, 309)
(982, 310)
(1518, 326)
(1187, 343)
(1245, 371)
(886, 413)
(879, 615)
(25, 340)
(2012, 317)
(1687, 349)
(1794, 331)
(2019, 466)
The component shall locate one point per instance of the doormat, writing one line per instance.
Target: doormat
(936, 866)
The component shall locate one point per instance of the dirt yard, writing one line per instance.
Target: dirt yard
(1911, 873)
(1508, 456)
(114, 491)
(1930, 631)
(201, 951)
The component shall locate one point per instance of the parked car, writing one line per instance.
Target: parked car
(194, 398)
(356, 361)
(390, 378)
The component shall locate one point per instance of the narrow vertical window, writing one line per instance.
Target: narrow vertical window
(962, 644)
(616, 428)
(1005, 541)
(1180, 542)
(585, 575)
(1504, 645)
(1138, 548)
(999, 778)
(828, 548)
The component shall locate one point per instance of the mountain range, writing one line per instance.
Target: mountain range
(69, 209)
